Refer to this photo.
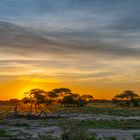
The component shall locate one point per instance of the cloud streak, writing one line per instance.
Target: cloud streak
(18, 39)
(83, 41)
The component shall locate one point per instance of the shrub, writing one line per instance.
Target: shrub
(75, 133)
(3, 133)
(47, 137)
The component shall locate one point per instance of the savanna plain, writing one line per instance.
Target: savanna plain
(86, 119)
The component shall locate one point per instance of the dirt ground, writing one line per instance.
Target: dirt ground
(25, 129)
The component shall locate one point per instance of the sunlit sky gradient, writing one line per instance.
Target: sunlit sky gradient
(90, 46)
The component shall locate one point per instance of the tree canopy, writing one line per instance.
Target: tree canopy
(127, 98)
(64, 96)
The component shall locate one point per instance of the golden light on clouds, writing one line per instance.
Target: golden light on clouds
(16, 88)
(101, 81)
(96, 53)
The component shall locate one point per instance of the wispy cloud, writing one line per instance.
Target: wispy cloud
(68, 40)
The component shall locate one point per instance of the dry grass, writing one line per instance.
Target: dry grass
(96, 108)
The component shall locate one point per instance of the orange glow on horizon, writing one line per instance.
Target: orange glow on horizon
(16, 89)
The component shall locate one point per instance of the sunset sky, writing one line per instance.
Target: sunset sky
(90, 46)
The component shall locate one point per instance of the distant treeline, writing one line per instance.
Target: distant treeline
(65, 97)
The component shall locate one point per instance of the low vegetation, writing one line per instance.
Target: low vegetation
(101, 109)
(101, 124)
(75, 134)
(63, 110)
(136, 137)
(3, 133)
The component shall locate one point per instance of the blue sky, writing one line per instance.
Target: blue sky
(88, 41)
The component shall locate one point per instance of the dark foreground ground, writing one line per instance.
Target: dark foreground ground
(96, 122)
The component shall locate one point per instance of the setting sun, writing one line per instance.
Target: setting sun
(69, 69)
(88, 48)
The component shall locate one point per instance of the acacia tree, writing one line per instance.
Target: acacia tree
(64, 96)
(35, 97)
(127, 98)
(52, 94)
(73, 100)
(59, 93)
(67, 101)
(87, 97)
(28, 100)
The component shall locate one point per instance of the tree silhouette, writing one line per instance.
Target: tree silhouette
(67, 101)
(73, 100)
(127, 98)
(52, 94)
(87, 97)
(35, 97)
(62, 92)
